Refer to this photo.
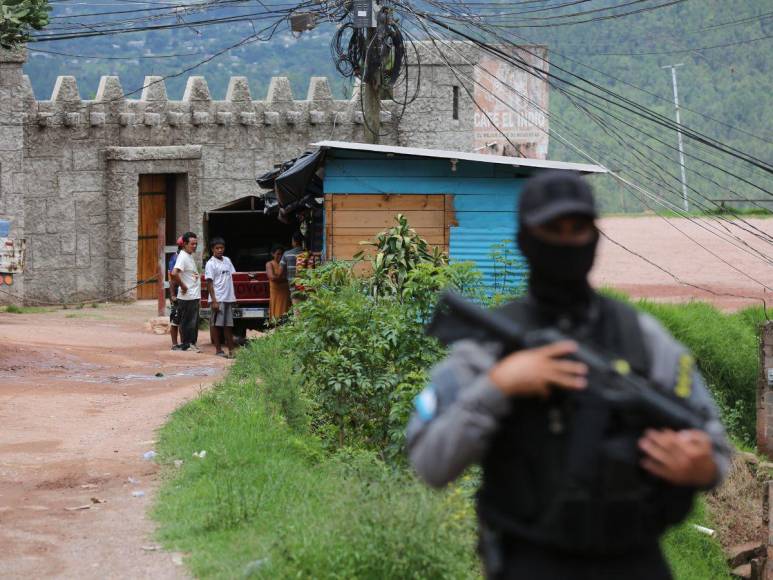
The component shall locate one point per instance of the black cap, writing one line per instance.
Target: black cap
(554, 194)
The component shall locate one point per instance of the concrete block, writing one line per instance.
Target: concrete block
(12, 138)
(66, 90)
(72, 119)
(248, 118)
(154, 89)
(126, 119)
(270, 118)
(239, 164)
(175, 119)
(60, 214)
(200, 118)
(294, 117)
(319, 90)
(317, 117)
(67, 242)
(86, 156)
(223, 118)
(109, 89)
(40, 177)
(97, 119)
(152, 119)
(98, 242)
(46, 119)
(238, 90)
(77, 181)
(279, 90)
(196, 89)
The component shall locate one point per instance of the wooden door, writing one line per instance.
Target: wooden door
(152, 207)
(350, 219)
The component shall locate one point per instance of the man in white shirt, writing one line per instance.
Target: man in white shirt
(186, 276)
(220, 285)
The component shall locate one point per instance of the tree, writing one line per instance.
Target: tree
(17, 17)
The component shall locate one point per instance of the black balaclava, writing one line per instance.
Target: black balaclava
(558, 274)
(558, 278)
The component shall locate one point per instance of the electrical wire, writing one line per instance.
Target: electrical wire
(729, 264)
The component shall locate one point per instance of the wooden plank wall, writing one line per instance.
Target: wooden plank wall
(352, 218)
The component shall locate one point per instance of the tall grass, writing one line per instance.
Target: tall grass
(267, 501)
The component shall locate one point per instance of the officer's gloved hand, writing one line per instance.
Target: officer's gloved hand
(535, 371)
(680, 457)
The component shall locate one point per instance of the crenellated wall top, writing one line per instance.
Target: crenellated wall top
(153, 107)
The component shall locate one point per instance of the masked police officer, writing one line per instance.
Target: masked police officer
(569, 488)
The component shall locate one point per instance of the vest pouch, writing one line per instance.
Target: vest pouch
(583, 525)
(523, 487)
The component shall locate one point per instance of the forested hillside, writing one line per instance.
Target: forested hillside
(725, 82)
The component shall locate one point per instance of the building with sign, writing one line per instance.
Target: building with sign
(84, 182)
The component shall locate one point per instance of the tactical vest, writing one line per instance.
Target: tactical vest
(564, 471)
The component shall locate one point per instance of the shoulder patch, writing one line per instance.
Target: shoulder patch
(683, 387)
(426, 404)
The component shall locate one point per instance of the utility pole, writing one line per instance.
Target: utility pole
(679, 133)
(371, 91)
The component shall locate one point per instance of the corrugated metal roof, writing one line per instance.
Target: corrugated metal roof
(461, 155)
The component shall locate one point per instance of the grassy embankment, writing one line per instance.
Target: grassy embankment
(269, 500)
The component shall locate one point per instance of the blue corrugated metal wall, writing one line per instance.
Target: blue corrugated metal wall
(485, 197)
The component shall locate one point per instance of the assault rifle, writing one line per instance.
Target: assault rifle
(612, 380)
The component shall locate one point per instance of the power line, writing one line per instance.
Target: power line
(606, 95)
(681, 51)
(689, 237)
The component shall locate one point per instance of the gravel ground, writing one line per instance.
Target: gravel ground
(79, 405)
(743, 279)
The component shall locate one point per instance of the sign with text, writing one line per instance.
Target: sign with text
(510, 118)
(11, 255)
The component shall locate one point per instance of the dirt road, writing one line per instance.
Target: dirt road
(79, 404)
(730, 275)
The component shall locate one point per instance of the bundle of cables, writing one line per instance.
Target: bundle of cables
(378, 59)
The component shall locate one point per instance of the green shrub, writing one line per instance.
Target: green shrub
(268, 502)
(360, 340)
(354, 351)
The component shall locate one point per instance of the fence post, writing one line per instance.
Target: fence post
(160, 244)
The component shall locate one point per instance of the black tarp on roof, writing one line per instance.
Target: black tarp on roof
(300, 180)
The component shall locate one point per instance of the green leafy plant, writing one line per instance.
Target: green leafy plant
(398, 251)
(17, 17)
(508, 274)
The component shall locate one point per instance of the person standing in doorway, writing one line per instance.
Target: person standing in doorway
(220, 285)
(186, 276)
(174, 315)
(279, 290)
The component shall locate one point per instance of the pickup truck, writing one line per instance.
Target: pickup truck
(251, 308)
(249, 235)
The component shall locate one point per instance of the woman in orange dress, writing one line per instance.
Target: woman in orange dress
(279, 289)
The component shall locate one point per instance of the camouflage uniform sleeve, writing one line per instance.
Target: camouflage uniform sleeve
(455, 415)
(673, 369)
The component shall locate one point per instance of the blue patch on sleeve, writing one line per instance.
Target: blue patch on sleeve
(426, 404)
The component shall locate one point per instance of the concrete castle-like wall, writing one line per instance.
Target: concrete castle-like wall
(69, 167)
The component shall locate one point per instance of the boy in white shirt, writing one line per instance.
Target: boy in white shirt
(219, 273)
(186, 276)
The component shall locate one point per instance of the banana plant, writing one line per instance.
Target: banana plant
(398, 250)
